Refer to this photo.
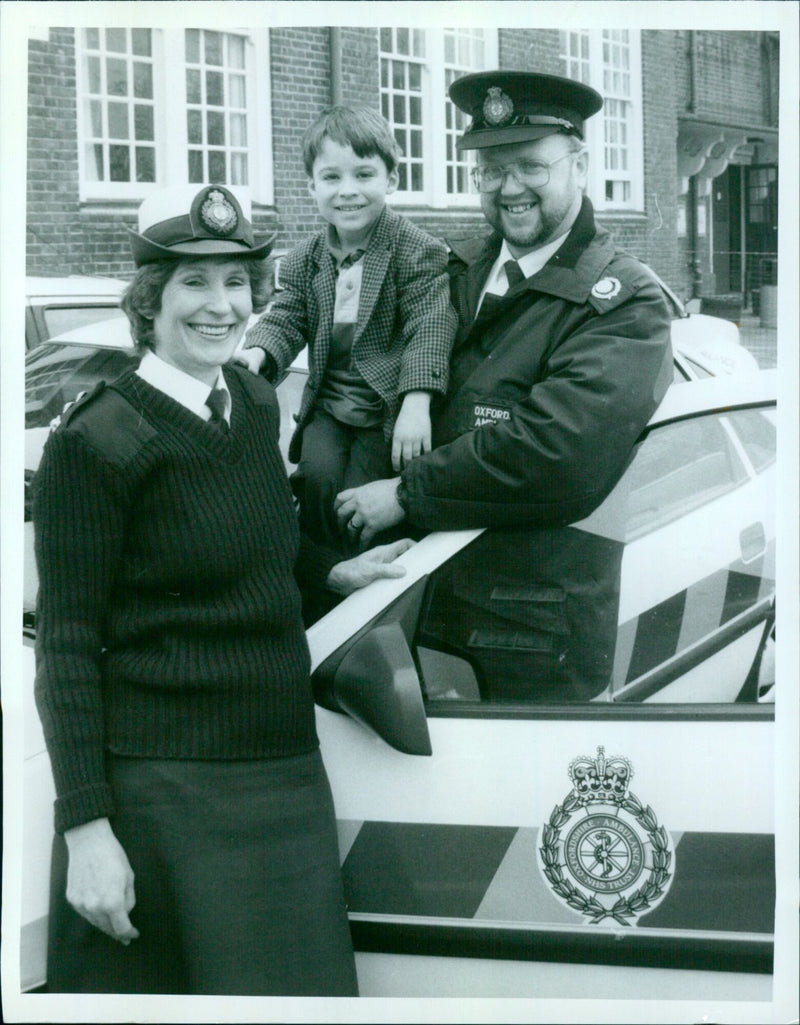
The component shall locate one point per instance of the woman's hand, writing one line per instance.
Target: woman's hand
(412, 429)
(350, 575)
(100, 879)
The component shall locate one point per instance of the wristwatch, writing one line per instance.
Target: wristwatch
(401, 496)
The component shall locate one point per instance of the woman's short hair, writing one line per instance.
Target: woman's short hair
(361, 128)
(141, 300)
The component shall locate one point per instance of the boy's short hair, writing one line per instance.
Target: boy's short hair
(361, 128)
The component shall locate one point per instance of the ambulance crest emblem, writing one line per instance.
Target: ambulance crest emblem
(497, 107)
(602, 851)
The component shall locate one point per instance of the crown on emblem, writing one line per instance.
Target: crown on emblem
(497, 107)
(601, 778)
(217, 214)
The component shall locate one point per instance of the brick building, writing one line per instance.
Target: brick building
(683, 156)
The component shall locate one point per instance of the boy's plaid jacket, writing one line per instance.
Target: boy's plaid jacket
(405, 328)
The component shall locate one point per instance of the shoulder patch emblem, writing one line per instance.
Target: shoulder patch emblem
(606, 288)
(603, 852)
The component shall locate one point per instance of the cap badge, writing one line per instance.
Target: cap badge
(606, 288)
(497, 107)
(217, 214)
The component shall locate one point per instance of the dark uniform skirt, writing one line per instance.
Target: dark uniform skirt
(237, 882)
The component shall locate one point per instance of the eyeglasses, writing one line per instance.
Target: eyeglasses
(533, 173)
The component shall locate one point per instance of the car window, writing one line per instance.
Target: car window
(56, 374)
(678, 467)
(756, 431)
(59, 319)
(672, 603)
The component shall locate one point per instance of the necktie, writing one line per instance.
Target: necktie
(216, 403)
(513, 273)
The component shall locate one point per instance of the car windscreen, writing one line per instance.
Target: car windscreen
(56, 374)
(61, 318)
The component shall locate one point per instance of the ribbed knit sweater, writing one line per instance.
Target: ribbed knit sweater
(169, 618)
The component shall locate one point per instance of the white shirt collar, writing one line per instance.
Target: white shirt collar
(530, 263)
(179, 385)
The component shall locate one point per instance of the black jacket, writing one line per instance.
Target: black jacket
(549, 389)
(549, 392)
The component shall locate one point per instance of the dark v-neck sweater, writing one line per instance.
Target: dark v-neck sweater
(169, 621)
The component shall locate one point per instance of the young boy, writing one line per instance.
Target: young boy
(369, 296)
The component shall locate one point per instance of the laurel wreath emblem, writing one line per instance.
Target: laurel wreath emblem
(626, 907)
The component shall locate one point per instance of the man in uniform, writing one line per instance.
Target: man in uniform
(563, 354)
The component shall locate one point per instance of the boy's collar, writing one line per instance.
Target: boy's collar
(339, 252)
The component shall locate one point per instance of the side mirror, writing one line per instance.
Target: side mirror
(377, 684)
(374, 680)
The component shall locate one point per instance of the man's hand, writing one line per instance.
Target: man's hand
(252, 359)
(369, 509)
(412, 429)
(349, 576)
(100, 879)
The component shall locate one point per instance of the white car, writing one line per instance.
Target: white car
(55, 305)
(496, 846)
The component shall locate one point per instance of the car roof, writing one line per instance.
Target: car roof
(73, 287)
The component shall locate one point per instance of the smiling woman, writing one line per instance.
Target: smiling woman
(195, 847)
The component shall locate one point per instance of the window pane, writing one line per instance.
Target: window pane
(215, 128)
(93, 74)
(402, 45)
(118, 120)
(237, 95)
(238, 124)
(192, 46)
(216, 166)
(194, 93)
(416, 177)
(145, 164)
(116, 77)
(96, 118)
(196, 173)
(141, 43)
(235, 52)
(120, 163)
(143, 81)
(214, 89)
(92, 39)
(115, 40)
(94, 163)
(213, 54)
(194, 126)
(386, 40)
(143, 123)
(239, 169)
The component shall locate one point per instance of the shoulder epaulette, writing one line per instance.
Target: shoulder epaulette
(107, 421)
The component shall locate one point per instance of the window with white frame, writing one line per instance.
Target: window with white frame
(417, 67)
(610, 61)
(147, 120)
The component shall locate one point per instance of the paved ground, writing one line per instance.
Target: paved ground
(761, 341)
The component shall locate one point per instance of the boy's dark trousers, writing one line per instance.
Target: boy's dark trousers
(335, 456)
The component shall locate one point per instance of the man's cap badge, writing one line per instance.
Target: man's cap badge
(497, 107)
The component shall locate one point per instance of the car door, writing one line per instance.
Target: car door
(480, 824)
